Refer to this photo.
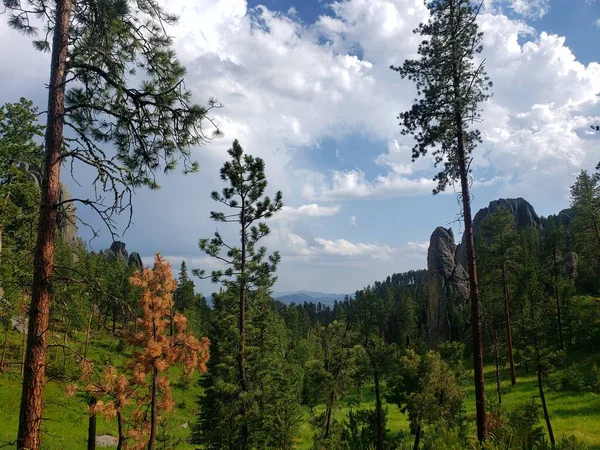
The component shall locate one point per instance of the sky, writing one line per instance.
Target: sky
(306, 86)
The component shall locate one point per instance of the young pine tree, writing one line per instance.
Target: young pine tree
(97, 50)
(249, 269)
(500, 249)
(451, 84)
(159, 350)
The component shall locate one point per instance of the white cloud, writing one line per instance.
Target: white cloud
(289, 213)
(353, 221)
(531, 8)
(288, 85)
(597, 22)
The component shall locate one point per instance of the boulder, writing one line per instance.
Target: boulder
(106, 440)
(447, 286)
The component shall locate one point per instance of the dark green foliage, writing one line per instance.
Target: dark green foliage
(150, 122)
(450, 84)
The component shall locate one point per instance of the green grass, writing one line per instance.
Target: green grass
(65, 419)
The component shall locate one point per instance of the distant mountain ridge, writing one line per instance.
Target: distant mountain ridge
(300, 297)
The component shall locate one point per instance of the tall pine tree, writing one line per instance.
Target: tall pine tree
(249, 269)
(96, 49)
(451, 84)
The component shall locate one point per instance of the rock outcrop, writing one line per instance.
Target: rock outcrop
(118, 251)
(447, 286)
(136, 260)
(67, 218)
(571, 262)
(522, 211)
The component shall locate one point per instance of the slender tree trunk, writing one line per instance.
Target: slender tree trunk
(4, 347)
(242, 328)
(91, 443)
(121, 441)
(114, 319)
(328, 414)
(509, 341)
(498, 385)
(561, 341)
(88, 332)
(473, 284)
(378, 412)
(417, 438)
(30, 414)
(152, 438)
(23, 345)
(470, 241)
(544, 406)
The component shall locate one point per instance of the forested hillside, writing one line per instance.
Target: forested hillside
(492, 345)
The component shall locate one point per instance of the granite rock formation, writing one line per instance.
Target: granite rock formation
(447, 286)
(522, 211)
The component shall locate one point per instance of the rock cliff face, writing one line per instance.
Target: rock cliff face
(447, 286)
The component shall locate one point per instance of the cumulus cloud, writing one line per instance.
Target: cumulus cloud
(287, 85)
(288, 213)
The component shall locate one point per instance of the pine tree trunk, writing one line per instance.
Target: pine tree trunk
(152, 438)
(473, 284)
(417, 438)
(4, 347)
(509, 341)
(121, 441)
(88, 332)
(30, 414)
(242, 328)
(91, 443)
(23, 344)
(328, 414)
(561, 341)
(544, 406)
(498, 385)
(470, 241)
(378, 412)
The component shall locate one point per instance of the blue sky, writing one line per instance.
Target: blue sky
(306, 86)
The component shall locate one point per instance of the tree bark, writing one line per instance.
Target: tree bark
(121, 441)
(417, 438)
(242, 328)
(378, 412)
(4, 346)
(509, 341)
(30, 414)
(498, 385)
(561, 341)
(91, 443)
(152, 438)
(88, 332)
(470, 241)
(473, 284)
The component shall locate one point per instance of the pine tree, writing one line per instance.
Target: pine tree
(248, 267)
(451, 85)
(96, 49)
(19, 196)
(500, 248)
(372, 314)
(158, 350)
(426, 388)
